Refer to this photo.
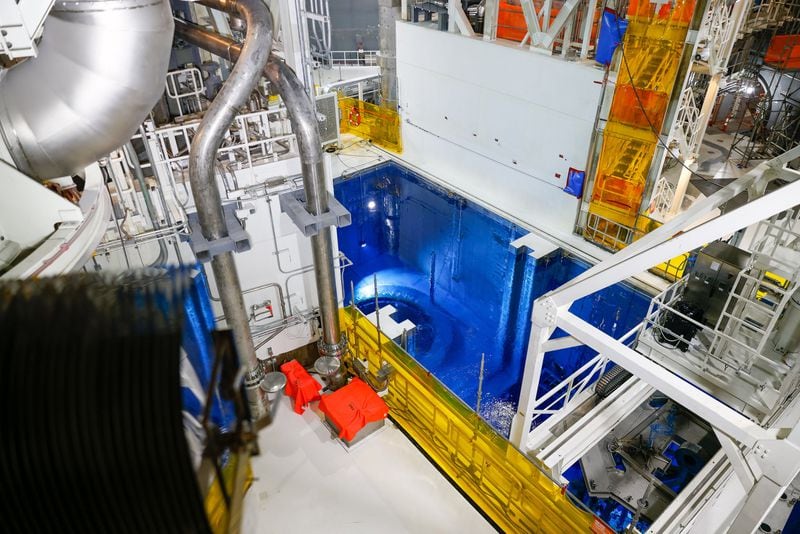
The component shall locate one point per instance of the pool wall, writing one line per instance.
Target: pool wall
(446, 263)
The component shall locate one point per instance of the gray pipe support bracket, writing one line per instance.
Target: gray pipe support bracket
(293, 204)
(237, 240)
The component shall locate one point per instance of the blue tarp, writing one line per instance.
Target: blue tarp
(612, 30)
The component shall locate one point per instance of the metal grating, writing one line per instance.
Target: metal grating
(328, 107)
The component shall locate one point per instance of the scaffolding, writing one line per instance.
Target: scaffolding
(764, 116)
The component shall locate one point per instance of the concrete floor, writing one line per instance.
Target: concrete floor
(308, 482)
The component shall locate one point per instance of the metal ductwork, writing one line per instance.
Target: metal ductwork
(100, 69)
(302, 114)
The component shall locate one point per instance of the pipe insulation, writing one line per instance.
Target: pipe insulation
(217, 119)
(303, 116)
(100, 70)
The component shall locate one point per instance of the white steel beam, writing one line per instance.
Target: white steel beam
(667, 241)
(540, 333)
(531, 18)
(458, 19)
(720, 416)
(702, 492)
(559, 343)
(542, 433)
(546, 37)
(590, 429)
(737, 460)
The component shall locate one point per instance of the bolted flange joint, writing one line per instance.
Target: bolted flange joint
(336, 350)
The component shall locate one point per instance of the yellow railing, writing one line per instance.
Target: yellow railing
(378, 124)
(504, 483)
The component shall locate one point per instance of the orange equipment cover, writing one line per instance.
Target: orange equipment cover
(784, 52)
(352, 407)
(300, 385)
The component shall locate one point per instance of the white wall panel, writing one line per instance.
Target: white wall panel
(501, 123)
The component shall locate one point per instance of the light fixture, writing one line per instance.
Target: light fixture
(371, 205)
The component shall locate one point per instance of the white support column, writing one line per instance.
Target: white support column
(567, 42)
(588, 21)
(491, 11)
(293, 38)
(702, 124)
(545, 14)
(521, 425)
(682, 186)
(531, 18)
(457, 20)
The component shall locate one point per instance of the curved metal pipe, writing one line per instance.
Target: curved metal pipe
(100, 70)
(303, 116)
(202, 159)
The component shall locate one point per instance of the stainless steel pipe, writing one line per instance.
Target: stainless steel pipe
(100, 70)
(303, 116)
(202, 162)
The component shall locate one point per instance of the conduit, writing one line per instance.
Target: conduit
(303, 116)
(100, 70)
(202, 159)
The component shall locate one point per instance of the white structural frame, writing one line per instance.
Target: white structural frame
(771, 454)
(20, 25)
(718, 33)
(457, 20)
(575, 17)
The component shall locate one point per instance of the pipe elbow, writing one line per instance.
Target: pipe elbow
(100, 70)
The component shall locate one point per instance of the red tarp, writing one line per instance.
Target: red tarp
(784, 52)
(300, 385)
(353, 407)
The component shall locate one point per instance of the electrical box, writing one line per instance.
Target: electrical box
(712, 278)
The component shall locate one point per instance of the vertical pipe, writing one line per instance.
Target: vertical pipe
(480, 384)
(202, 158)
(303, 116)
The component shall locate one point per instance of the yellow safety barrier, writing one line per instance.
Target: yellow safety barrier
(222, 517)
(504, 483)
(378, 124)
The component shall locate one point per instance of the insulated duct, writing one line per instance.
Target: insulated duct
(302, 114)
(100, 69)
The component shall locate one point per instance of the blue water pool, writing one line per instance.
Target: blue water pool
(447, 264)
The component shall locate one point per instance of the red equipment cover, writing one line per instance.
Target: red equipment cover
(784, 52)
(300, 385)
(352, 407)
